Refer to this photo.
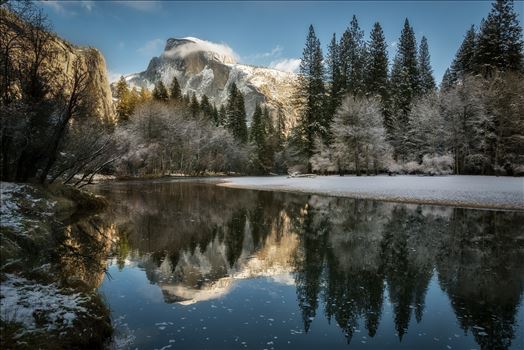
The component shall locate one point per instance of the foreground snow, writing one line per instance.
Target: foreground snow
(470, 191)
(22, 301)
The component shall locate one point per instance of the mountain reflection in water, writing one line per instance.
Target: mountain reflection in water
(345, 258)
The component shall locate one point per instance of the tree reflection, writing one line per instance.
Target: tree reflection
(483, 274)
(345, 254)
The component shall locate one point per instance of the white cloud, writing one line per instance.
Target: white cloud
(151, 47)
(287, 65)
(144, 6)
(225, 52)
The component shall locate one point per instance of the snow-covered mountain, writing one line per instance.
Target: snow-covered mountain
(205, 68)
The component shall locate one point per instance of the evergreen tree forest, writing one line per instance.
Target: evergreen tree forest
(366, 113)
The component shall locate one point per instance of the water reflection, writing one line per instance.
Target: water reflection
(345, 257)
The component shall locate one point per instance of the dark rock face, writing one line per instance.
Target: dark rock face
(173, 43)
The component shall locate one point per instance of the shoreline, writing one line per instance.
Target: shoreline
(42, 306)
(488, 199)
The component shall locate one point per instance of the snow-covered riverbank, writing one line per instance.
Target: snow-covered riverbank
(467, 191)
(40, 306)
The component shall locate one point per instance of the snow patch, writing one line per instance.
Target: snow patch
(31, 303)
(10, 217)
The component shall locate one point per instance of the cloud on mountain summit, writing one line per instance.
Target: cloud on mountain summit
(221, 49)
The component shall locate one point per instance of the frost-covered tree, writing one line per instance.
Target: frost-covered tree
(427, 82)
(310, 97)
(466, 125)
(322, 160)
(447, 80)
(334, 77)
(499, 45)
(352, 50)
(464, 61)
(164, 138)
(377, 83)
(502, 127)
(405, 86)
(358, 135)
(426, 128)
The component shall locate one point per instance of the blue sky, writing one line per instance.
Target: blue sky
(262, 33)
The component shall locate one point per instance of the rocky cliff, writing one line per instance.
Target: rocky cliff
(204, 70)
(58, 57)
(94, 63)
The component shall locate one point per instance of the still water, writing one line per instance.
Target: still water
(196, 266)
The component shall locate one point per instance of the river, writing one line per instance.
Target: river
(197, 266)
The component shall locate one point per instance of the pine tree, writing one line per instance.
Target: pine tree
(334, 79)
(447, 80)
(121, 87)
(499, 45)
(268, 122)
(310, 94)
(231, 107)
(160, 92)
(236, 114)
(215, 115)
(427, 82)
(206, 107)
(405, 85)
(258, 137)
(186, 100)
(240, 131)
(144, 95)
(222, 116)
(123, 105)
(175, 91)
(194, 106)
(377, 83)
(280, 130)
(377, 69)
(464, 61)
(352, 59)
(258, 130)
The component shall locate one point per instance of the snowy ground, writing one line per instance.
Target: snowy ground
(24, 301)
(468, 191)
(33, 302)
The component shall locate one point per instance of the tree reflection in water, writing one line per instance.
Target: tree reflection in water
(350, 256)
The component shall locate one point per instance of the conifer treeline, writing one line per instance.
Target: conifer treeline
(406, 93)
(359, 68)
